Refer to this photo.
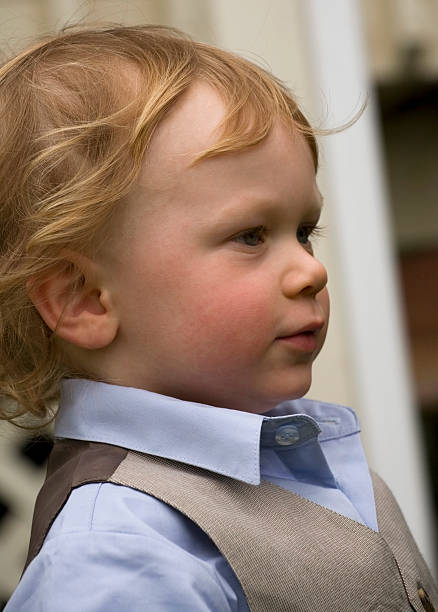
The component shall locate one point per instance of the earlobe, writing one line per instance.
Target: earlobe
(74, 306)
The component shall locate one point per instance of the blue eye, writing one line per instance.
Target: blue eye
(252, 237)
(304, 232)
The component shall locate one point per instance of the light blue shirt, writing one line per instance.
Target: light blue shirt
(115, 549)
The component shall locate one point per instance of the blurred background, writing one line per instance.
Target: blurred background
(379, 181)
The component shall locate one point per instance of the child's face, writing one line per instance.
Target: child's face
(211, 271)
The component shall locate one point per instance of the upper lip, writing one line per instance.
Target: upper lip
(313, 326)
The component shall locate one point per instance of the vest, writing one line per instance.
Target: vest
(289, 554)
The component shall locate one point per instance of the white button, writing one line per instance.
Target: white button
(287, 435)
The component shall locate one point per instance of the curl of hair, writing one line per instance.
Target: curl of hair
(77, 113)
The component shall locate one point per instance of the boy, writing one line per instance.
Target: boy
(158, 228)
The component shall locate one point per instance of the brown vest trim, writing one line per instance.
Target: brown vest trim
(374, 578)
(258, 528)
(71, 464)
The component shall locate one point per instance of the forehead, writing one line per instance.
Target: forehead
(192, 126)
(174, 197)
(189, 127)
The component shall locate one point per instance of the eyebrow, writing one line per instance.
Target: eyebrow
(230, 215)
(319, 204)
(316, 206)
(321, 201)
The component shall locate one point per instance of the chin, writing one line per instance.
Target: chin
(292, 392)
(267, 402)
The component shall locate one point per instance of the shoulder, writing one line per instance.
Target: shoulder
(123, 549)
(105, 511)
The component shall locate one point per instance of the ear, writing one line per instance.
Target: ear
(76, 304)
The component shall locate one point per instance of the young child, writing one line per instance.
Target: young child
(158, 203)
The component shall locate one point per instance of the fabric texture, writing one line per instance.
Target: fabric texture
(326, 561)
(288, 553)
(322, 461)
(110, 542)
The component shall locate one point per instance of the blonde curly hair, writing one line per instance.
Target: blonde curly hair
(77, 112)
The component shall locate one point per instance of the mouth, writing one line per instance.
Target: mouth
(305, 339)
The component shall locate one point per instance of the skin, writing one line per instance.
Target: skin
(202, 293)
(206, 270)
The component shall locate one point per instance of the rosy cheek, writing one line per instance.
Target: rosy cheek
(241, 318)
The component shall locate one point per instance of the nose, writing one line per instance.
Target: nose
(303, 275)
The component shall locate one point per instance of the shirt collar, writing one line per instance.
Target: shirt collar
(217, 439)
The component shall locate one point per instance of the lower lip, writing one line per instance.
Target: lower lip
(305, 342)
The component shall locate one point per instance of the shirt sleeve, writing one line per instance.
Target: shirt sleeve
(112, 572)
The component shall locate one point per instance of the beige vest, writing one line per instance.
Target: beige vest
(289, 553)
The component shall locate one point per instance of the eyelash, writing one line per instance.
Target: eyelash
(261, 231)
